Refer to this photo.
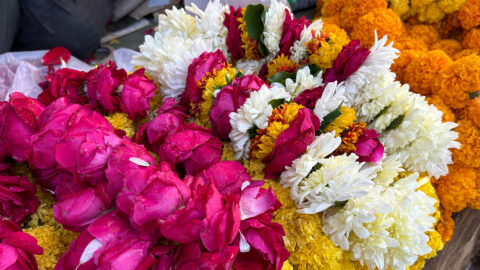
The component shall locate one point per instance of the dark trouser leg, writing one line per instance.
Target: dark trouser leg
(9, 23)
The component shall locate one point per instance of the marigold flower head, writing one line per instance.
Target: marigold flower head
(341, 123)
(445, 225)
(330, 28)
(228, 153)
(457, 189)
(472, 40)
(263, 143)
(328, 50)
(350, 137)
(449, 24)
(469, 14)
(474, 111)
(449, 6)
(455, 83)
(447, 113)
(384, 21)
(421, 71)
(332, 7)
(401, 7)
(461, 114)
(410, 43)
(426, 33)
(255, 168)
(430, 13)
(335, 19)
(281, 63)
(354, 9)
(156, 101)
(122, 122)
(469, 137)
(475, 203)
(402, 61)
(449, 46)
(464, 53)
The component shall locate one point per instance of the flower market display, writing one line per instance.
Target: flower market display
(245, 139)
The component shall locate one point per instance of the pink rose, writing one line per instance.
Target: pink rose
(101, 85)
(234, 42)
(227, 176)
(169, 120)
(205, 63)
(347, 62)
(75, 211)
(291, 143)
(137, 92)
(17, 248)
(18, 121)
(309, 97)
(292, 28)
(64, 82)
(369, 148)
(256, 200)
(228, 100)
(193, 147)
(108, 243)
(119, 164)
(140, 199)
(267, 249)
(17, 198)
(192, 256)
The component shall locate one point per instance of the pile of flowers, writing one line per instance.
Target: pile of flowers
(439, 60)
(247, 139)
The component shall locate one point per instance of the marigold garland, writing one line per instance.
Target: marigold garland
(469, 137)
(383, 21)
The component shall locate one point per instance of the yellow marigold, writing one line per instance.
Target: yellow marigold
(426, 33)
(262, 144)
(120, 121)
(445, 225)
(474, 111)
(447, 113)
(475, 203)
(341, 123)
(421, 71)
(469, 14)
(54, 240)
(215, 80)
(228, 153)
(472, 40)
(402, 61)
(449, 6)
(332, 7)
(464, 53)
(44, 213)
(286, 265)
(449, 46)
(281, 63)
(329, 28)
(156, 101)
(430, 13)
(255, 168)
(350, 137)
(457, 189)
(384, 21)
(469, 137)
(328, 51)
(335, 19)
(401, 7)
(455, 83)
(309, 247)
(354, 9)
(249, 45)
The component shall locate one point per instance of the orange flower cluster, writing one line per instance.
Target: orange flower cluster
(440, 60)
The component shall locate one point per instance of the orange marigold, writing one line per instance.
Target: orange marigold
(455, 83)
(419, 73)
(464, 53)
(456, 189)
(332, 7)
(402, 61)
(449, 24)
(354, 9)
(426, 33)
(350, 137)
(384, 21)
(335, 19)
(475, 203)
(469, 137)
(409, 43)
(449, 46)
(447, 113)
(472, 40)
(445, 225)
(474, 111)
(469, 14)
(461, 114)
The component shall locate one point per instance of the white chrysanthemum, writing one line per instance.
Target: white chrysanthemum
(381, 57)
(321, 147)
(248, 67)
(332, 97)
(396, 235)
(254, 113)
(176, 22)
(274, 18)
(378, 84)
(304, 80)
(210, 24)
(299, 50)
(339, 179)
(401, 104)
(387, 171)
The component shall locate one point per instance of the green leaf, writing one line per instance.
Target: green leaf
(239, 74)
(255, 18)
(395, 123)
(383, 111)
(276, 102)
(315, 168)
(281, 76)
(330, 117)
(252, 132)
(340, 203)
(473, 94)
